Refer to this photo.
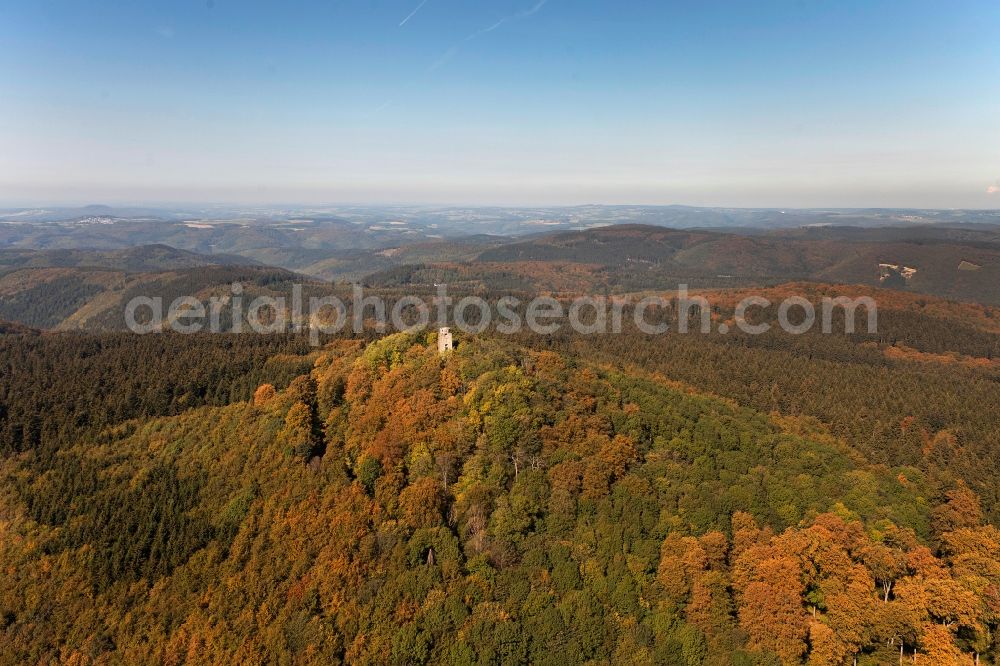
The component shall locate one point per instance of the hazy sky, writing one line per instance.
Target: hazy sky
(743, 103)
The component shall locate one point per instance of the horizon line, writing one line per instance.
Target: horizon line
(153, 203)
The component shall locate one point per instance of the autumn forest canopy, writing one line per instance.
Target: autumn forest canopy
(250, 499)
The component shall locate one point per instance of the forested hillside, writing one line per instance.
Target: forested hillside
(95, 299)
(962, 264)
(497, 504)
(143, 258)
(949, 255)
(922, 390)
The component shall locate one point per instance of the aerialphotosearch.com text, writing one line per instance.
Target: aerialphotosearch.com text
(586, 315)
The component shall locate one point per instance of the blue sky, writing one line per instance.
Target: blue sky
(767, 103)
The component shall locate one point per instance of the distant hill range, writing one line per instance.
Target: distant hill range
(88, 289)
(207, 235)
(246, 229)
(961, 263)
(73, 274)
(132, 259)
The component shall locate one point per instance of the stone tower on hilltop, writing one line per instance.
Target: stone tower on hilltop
(444, 340)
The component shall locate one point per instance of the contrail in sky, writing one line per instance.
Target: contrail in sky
(450, 53)
(411, 15)
(453, 51)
